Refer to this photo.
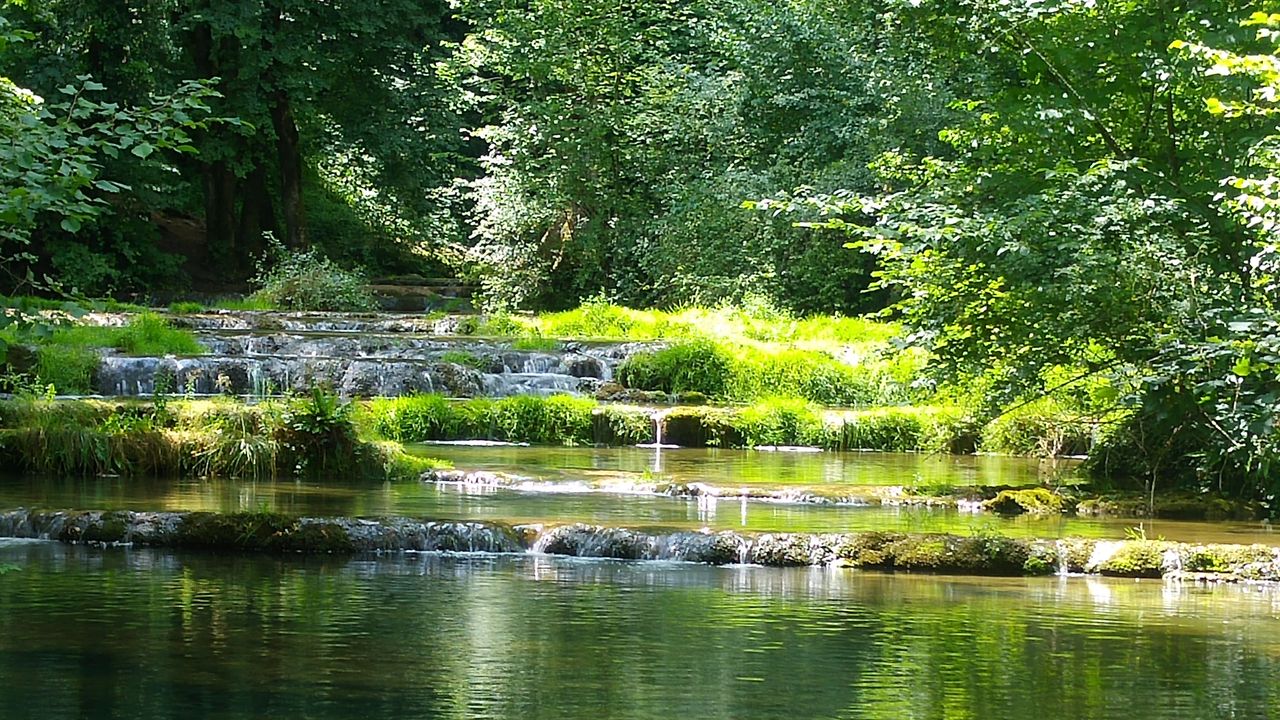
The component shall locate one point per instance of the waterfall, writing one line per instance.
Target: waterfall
(1064, 563)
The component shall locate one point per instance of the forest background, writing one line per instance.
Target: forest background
(1072, 196)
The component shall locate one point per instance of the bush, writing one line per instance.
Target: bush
(68, 369)
(695, 366)
(309, 281)
(555, 420)
(318, 433)
(781, 422)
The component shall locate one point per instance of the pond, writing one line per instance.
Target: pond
(90, 632)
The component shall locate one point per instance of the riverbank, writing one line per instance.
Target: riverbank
(981, 554)
(303, 436)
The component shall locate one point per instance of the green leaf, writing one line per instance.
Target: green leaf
(143, 149)
(70, 224)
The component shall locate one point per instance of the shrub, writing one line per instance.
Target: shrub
(68, 369)
(694, 366)
(781, 422)
(318, 433)
(310, 281)
(186, 308)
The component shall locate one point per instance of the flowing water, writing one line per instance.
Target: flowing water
(118, 633)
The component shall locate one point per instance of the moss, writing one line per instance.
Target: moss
(1174, 506)
(1136, 558)
(1076, 553)
(984, 554)
(1225, 558)
(110, 528)
(314, 537)
(869, 549)
(1036, 501)
(701, 427)
(1042, 559)
(233, 530)
(613, 425)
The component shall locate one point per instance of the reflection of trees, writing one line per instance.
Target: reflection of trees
(154, 634)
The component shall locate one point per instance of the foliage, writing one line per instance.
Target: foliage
(144, 334)
(616, 156)
(318, 434)
(699, 365)
(222, 438)
(310, 281)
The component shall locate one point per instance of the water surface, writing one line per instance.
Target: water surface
(346, 497)
(119, 633)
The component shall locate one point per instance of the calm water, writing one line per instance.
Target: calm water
(115, 633)
(756, 468)
(727, 468)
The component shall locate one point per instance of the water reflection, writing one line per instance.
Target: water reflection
(119, 633)
(337, 496)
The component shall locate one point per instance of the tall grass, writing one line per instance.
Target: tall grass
(749, 374)
(145, 334)
(222, 438)
(555, 420)
(604, 321)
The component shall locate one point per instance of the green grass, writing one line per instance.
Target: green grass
(250, 303)
(613, 322)
(555, 420)
(69, 369)
(737, 373)
(535, 344)
(564, 420)
(71, 305)
(206, 438)
(186, 308)
(464, 358)
(145, 334)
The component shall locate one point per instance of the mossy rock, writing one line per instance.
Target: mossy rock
(1137, 558)
(312, 537)
(234, 530)
(110, 528)
(979, 555)
(1036, 501)
(700, 427)
(1042, 559)
(1225, 558)
(869, 549)
(783, 550)
(1077, 553)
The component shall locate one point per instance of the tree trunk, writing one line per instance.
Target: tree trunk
(219, 179)
(255, 210)
(220, 210)
(289, 155)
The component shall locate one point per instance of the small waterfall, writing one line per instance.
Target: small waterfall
(744, 550)
(1103, 551)
(1064, 562)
